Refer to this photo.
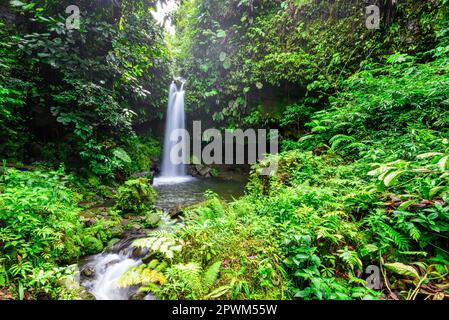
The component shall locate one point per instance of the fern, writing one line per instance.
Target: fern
(337, 140)
(195, 281)
(211, 274)
(161, 243)
(141, 275)
(351, 258)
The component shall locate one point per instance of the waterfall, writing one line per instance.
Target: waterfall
(171, 172)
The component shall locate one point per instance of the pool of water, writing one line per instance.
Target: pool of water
(185, 191)
(109, 266)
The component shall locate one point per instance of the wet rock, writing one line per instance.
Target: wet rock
(136, 226)
(91, 222)
(200, 170)
(124, 222)
(87, 214)
(88, 272)
(113, 262)
(155, 169)
(116, 231)
(138, 296)
(139, 253)
(71, 285)
(86, 296)
(176, 211)
(113, 242)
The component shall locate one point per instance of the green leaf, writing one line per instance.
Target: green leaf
(227, 63)
(437, 190)
(403, 269)
(391, 178)
(16, 3)
(442, 164)
(217, 293)
(221, 34)
(121, 154)
(429, 155)
(223, 56)
(406, 205)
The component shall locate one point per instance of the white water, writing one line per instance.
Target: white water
(171, 172)
(161, 181)
(109, 268)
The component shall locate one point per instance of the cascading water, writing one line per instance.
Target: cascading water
(107, 268)
(172, 172)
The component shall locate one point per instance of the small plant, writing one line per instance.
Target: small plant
(194, 282)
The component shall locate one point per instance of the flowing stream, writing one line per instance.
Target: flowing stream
(175, 190)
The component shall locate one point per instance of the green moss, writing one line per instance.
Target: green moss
(92, 245)
(136, 196)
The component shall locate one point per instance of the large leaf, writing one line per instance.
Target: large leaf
(442, 164)
(121, 154)
(403, 269)
(392, 177)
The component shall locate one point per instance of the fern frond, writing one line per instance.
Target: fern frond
(211, 274)
(140, 275)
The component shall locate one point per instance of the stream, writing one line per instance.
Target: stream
(107, 268)
(176, 190)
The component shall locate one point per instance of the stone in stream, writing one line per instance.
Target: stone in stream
(116, 231)
(138, 296)
(139, 253)
(72, 284)
(88, 272)
(110, 264)
(202, 171)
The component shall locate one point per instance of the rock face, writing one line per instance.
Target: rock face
(88, 272)
(140, 253)
(200, 170)
(155, 168)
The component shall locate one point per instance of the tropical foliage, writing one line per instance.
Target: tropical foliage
(359, 205)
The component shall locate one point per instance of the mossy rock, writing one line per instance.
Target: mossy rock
(92, 245)
(116, 231)
(136, 196)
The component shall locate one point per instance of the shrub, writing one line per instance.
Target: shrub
(40, 230)
(136, 196)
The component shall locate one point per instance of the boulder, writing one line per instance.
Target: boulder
(138, 296)
(139, 253)
(116, 231)
(91, 222)
(200, 170)
(110, 264)
(88, 272)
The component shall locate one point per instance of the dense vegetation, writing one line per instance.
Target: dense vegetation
(363, 172)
